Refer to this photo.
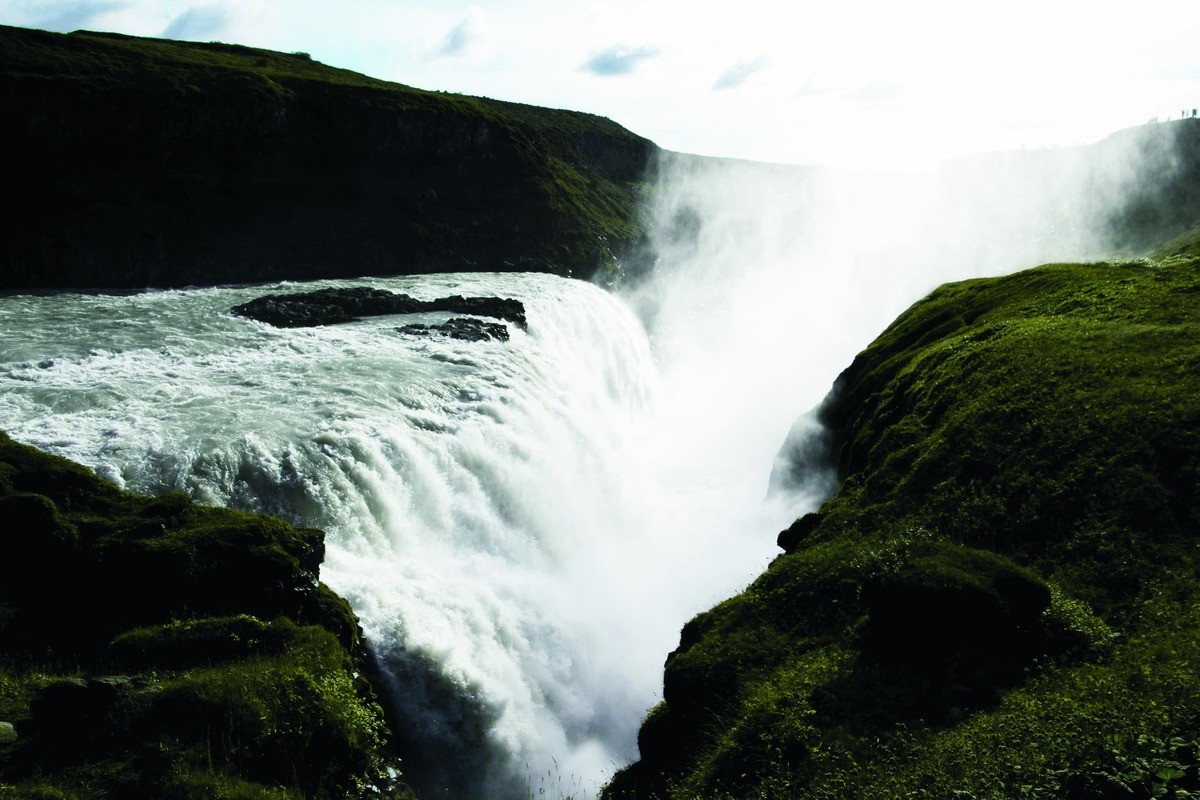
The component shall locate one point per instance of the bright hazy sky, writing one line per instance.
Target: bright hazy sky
(842, 82)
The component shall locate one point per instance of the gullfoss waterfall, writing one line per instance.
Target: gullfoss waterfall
(521, 526)
(494, 512)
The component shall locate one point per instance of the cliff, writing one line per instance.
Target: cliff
(1003, 597)
(152, 647)
(159, 163)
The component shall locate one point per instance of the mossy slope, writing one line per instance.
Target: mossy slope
(1002, 599)
(152, 647)
(155, 162)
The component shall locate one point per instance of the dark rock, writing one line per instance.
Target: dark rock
(332, 306)
(1099, 786)
(790, 539)
(463, 328)
(806, 461)
(8, 734)
(61, 704)
(79, 719)
(498, 307)
(326, 306)
(40, 546)
(956, 615)
(76, 707)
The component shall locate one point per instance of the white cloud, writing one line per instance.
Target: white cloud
(471, 36)
(812, 86)
(74, 16)
(618, 60)
(876, 92)
(943, 76)
(738, 74)
(199, 22)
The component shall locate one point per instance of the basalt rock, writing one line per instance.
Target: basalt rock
(461, 328)
(790, 538)
(334, 306)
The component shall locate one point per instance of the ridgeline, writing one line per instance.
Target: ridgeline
(1003, 598)
(149, 162)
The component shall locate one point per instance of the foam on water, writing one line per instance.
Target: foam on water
(494, 511)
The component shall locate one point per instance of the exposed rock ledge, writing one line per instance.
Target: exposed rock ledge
(461, 328)
(331, 306)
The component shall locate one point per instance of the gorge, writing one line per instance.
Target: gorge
(522, 526)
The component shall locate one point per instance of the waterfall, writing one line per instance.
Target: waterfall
(522, 526)
(500, 514)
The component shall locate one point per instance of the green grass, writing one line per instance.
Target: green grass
(180, 66)
(155, 647)
(1001, 601)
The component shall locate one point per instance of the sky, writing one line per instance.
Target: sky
(861, 83)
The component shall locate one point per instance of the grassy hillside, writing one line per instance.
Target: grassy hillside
(151, 647)
(155, 162)
(1003, 599)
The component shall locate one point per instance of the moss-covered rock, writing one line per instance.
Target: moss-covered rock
(1001, 599)
(955, 614)
(150, 646)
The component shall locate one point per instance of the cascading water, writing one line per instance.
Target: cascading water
(495, 512)
(521, 526)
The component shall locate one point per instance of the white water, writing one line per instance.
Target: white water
(522, 527)
(498, 513)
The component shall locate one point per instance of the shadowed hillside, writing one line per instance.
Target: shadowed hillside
(1001, 599)
(149, 162)
(153, 647)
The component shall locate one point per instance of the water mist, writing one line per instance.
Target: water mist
(524, 526)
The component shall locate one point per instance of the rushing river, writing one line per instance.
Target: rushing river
(521, 526)
(499, 513)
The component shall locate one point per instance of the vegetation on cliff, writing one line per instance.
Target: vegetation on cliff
(162, 163)
(152, 647)
(1003, 598)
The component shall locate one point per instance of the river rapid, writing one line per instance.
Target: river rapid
(498, 513)
(522, 526)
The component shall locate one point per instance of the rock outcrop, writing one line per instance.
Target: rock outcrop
(333, 306)
(461, 328)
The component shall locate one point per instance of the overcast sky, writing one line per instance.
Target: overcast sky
(855, 82)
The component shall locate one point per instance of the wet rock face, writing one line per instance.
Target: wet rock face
(461, 328)
(333, 306)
